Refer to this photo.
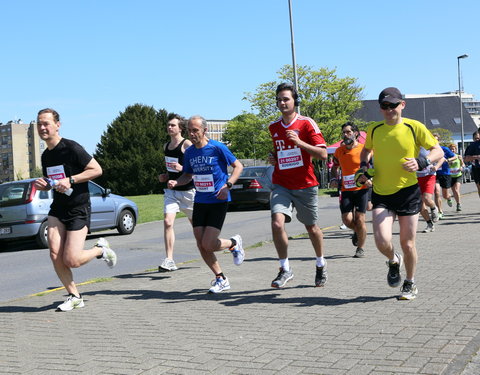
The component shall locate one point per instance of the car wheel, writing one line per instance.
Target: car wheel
(126, 222)
(41, 238)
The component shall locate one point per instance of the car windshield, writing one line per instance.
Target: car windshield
(253, 172)
(13, 194)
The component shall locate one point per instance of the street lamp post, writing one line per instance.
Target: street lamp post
(294, 63)
(460, 97)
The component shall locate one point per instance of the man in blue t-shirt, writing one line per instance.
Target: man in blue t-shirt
(206, 162)
(444, 180)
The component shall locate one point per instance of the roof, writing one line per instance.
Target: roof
(434, 112)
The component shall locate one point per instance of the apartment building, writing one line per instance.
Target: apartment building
(20, 150)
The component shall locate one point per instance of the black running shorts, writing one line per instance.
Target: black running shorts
(405, 202)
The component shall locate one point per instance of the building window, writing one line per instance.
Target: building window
(457, 120)
(435, 121)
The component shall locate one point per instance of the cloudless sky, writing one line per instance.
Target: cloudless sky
(91, 59)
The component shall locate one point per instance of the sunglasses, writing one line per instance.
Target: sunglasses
(386, 105)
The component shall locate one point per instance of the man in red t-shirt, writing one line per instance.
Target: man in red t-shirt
(296, 140)
(353, 199)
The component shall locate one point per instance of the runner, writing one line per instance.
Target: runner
(395, 143)
(444, 179)
(353, 199)
(206, 162)
(456, 168)
(472, 155)
(72, 167)
(296, 139)
(179, 198)
(426, 181)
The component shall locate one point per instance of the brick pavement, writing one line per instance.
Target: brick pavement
(153, 323)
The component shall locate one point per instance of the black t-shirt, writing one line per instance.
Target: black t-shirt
(178, 154)
(67, 159)
(473, 149)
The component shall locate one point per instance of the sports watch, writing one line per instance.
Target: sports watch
(229, 184)
(72, 180)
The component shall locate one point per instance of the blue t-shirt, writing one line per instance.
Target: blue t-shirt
(209, 168)
(445, 170)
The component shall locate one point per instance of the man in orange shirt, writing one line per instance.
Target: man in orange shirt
(353, 199)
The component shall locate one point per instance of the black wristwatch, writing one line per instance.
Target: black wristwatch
(229, 184)
(72, 180)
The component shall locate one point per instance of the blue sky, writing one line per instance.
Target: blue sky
(91, 59)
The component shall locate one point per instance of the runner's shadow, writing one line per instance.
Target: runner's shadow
(27, 309)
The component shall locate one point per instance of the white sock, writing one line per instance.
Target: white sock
(320, 261)
(285, 264)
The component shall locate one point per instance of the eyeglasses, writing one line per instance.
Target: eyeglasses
(386, 105)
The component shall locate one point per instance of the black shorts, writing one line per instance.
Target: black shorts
(357, 199)
(209, 214)
(476, 175)
(445, 181)
(405, 202)
(456, 179)
(74, 218)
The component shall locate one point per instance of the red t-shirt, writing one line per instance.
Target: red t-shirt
(294, 168)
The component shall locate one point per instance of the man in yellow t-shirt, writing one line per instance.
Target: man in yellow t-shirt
(395, 144)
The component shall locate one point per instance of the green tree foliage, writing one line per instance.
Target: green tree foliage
(131, 151)
(445, 136)
(248, 137)
(325, 97)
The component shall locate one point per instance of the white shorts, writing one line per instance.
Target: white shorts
(179, 200)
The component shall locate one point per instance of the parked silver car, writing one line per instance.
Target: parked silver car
(24, 210)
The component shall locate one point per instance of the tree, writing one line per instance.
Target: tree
(248, 137)
(131, 151)
(325, 97)
(445, 136)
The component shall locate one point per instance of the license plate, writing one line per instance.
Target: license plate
(237, 187)
(5, 230)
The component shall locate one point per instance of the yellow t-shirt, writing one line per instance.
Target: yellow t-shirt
(391, 144)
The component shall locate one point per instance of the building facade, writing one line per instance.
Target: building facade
(215, 129)
(20, 150)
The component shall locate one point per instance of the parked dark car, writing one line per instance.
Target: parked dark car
(253, 187)
(24, 210)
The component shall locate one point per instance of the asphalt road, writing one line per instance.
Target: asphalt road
(28, 270)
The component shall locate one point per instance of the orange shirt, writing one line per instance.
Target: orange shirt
(349, 161)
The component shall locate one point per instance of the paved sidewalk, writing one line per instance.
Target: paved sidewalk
(165, 323)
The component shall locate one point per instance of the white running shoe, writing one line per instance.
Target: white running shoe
(219, 285)
(71, 303)
(108, 255)
(238, 252)
(434, 214)
(167, 265)
(429, 228)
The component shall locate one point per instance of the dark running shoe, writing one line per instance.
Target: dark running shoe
(354, 239)
(282, 278)
(408, 291)
(393, 277)
(360, 253)
(321, 276)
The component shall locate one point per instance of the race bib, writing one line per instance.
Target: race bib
(288, 159)
(455, 170)
(56, 173)
(170, 163)
(349, 181)
(204, 183)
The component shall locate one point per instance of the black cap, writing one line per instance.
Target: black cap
(390, 95)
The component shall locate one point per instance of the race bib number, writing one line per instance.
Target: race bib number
(204, 183)
(56, 173)
(288, 159)
(455, 170)
(349, 181)
(170, 163)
